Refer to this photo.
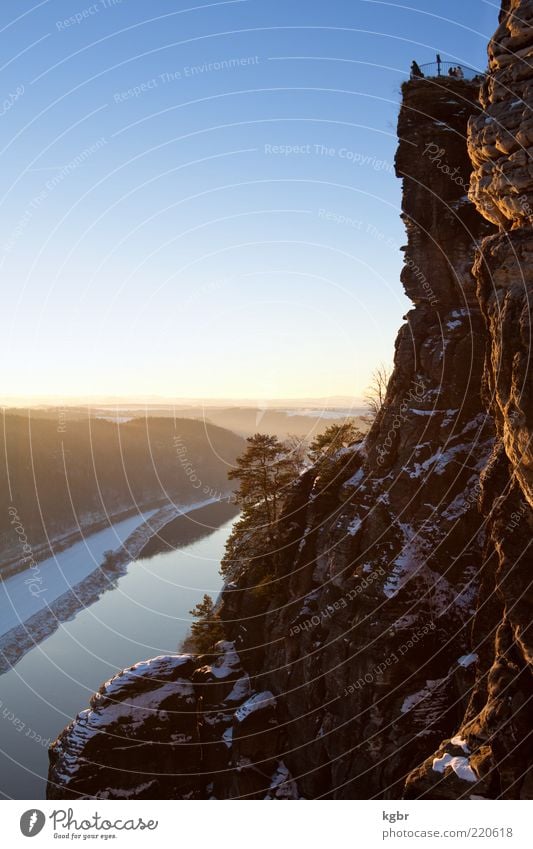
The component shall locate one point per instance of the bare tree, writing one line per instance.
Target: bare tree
(377, 390)
(297, 448)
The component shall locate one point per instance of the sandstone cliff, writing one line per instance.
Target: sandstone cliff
(496, 727)
(381, 648)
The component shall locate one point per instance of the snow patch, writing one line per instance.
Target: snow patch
(153, 671)
(467, 659)
(354, 526)
(459, 741)
(461, 767)
(356, 479)
(228, 662)
(282, 785)
(413, 700)
(241, 690)
(259, 701)
(406, 564)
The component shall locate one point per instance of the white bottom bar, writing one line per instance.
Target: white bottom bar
(253, 824)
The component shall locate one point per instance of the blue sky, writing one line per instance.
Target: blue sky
(199, 200)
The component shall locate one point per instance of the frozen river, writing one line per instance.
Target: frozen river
(58, 574)
(145, 614)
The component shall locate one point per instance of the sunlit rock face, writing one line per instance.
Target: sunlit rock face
(501, 138)
(501, 147)
(504, 268)
(495, 733)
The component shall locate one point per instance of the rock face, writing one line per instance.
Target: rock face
(381, 649)
(366, 639)
(501, 138)
(496, 727)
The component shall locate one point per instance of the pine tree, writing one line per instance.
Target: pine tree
(264, 471)
(208, 629)
(336, 436)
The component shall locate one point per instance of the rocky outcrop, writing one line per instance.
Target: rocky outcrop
(501, 137)
(384, 636)
(174, 728)
(495, 731)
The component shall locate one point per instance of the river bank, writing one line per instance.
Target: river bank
(14, 563)
(41, 613)
(147, 614)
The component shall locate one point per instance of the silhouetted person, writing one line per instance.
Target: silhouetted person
(459, 73)
(416, 71)
(439, 61)
(452, 72)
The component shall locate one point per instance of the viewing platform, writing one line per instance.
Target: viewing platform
(452, 70)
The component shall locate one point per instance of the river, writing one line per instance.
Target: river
(145, 614)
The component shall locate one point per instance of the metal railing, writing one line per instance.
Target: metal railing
(447, 69)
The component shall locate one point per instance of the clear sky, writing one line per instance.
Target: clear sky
(198, 200)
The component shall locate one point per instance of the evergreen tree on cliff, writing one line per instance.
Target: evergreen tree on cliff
(264, 471)
(207, 630)
(335, 437)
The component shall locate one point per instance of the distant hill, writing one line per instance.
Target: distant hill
(66, 473)
(245, 419)
(306, 423)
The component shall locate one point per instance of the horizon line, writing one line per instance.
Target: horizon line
(73, 400)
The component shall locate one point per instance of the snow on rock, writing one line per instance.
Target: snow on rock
(227, 662)
(108, 751)
(259, 701)
(464, 501)
(466, 659)
(153, 672)
(138, 709)
(461, 743)
(461, 767)
(407, 563)
(354, 526)
(241, 690)
(282, 785)
(421, 695)
(133, 792)
(356, 479)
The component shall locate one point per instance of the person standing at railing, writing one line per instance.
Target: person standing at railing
(416, 71)
(439, 60)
